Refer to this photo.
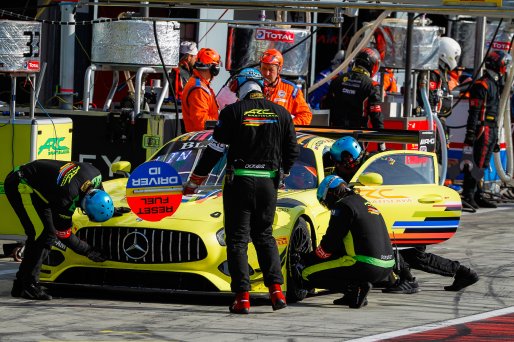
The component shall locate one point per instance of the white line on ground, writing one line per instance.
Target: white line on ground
(436, 325)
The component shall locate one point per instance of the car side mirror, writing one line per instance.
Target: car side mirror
(371, 179)
(121, 168)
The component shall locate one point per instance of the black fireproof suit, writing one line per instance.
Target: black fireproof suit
(418, 259)
(355, 248)
(437, 88)
(261, 139)
(481, 128)
(354, 99)
(56, 189)
(415, 258)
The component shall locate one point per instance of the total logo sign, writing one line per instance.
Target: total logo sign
(32, 65)
(274, 35)
(154, 191)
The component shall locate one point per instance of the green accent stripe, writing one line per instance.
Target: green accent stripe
(255, 173)
(374, 261)
(345, 261)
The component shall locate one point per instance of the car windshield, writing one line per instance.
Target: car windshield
(403, 169)
(184, 155)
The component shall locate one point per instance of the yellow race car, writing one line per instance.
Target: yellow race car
(186, 252)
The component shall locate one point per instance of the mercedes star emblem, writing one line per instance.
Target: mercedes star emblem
(135, 245)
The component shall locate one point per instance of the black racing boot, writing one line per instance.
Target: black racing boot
(34, 291)
(483, 203)
(345, 301)
(357, 295)
(463, 278)
(470, 201)
(403, 287)
(17, 288)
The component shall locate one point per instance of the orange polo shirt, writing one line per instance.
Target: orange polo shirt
(289, 95)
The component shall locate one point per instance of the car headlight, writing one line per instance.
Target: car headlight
(220, 236)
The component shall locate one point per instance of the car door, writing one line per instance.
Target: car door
(416, 209)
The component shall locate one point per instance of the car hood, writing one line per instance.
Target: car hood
(206, 206)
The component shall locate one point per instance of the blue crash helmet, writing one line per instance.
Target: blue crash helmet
(98, 206)
(246, 75)
(347, 151)
(330, 182)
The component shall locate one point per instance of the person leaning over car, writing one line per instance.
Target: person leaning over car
(348, 156)
(56, 189)
(198, 98)
(281, 91)
(355, 250)
(260, 139)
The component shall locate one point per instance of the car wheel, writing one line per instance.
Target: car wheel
(299, 243)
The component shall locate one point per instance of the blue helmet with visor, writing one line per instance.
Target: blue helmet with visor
(330, 182)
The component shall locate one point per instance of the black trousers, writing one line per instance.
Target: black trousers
(249, 205)
(482, 151)
(36, 249)
(339, 278)
(417, 258)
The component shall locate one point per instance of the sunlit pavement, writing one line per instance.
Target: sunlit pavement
(483, 241)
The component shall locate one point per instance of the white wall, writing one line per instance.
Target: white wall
(216, 38)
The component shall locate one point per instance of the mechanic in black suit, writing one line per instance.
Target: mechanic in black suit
(261, 140)
(348, 155)
(56, 189)
(482, 124)
(355, 250)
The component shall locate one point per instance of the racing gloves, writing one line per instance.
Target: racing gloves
(79, 246)
(193, 183)
(118, 211)
(96, 255)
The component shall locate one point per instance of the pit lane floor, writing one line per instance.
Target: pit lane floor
(484, 241)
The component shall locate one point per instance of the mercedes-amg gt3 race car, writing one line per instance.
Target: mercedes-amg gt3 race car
(187, 250)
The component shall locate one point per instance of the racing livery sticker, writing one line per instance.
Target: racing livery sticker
(154, 191)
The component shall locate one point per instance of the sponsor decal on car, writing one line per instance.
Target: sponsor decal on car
(154, 191)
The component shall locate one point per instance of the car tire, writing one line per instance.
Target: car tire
(299, 243)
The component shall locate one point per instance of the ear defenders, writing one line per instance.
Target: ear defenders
(214, 69)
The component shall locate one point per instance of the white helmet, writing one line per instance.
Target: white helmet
(449, 52)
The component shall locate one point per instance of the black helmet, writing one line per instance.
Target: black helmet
(368, 59)
(498, 61)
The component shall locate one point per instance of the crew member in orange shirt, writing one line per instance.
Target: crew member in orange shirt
(281, 91)
(198, 99)
(390, 85)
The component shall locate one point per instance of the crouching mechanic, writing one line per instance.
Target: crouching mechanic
(56, 189)
(355, 251)
(261, 138)
(348, 156)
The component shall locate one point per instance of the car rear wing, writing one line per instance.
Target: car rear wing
(424, 139)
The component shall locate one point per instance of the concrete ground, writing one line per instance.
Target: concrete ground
(483, 241)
